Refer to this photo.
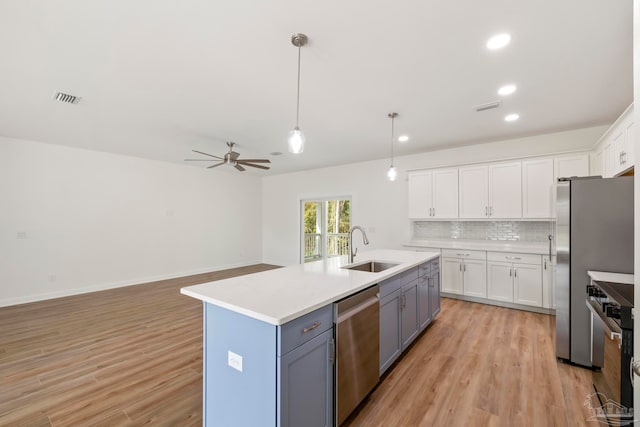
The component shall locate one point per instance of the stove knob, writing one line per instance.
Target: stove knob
(592, 291)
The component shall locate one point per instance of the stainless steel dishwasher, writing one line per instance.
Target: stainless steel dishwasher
(357, 319)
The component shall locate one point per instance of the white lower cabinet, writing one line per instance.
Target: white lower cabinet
(515, 278)
(464, 272)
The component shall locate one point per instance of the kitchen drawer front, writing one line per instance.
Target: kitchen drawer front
(435, 265)
(424, 269)
(514, 257)
(302, 329)
(464, 254)
(396, 282)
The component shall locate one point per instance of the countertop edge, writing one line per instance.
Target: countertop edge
(489, 246)
(278, 321)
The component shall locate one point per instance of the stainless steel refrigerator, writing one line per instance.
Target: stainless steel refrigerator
(594, 231)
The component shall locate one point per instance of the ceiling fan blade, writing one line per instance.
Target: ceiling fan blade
(234, 155)
(240, 168)
(198, 160)
(210, 155)
(255, 160)
(253, 166)
(215, 166)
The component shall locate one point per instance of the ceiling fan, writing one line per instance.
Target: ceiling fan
(231, 159)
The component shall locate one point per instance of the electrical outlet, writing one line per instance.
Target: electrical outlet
(234, 360)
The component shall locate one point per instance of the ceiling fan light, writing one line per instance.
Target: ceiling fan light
(392, 173)
(296, 141)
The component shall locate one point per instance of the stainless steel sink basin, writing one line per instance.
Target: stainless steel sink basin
(372, 266)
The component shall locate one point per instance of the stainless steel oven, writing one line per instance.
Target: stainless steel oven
(610, 305)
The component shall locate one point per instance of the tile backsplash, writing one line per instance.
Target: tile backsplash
(530, 231)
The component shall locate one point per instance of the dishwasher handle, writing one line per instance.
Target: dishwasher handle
(342, 317)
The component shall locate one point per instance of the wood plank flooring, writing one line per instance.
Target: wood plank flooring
(133, 356)
(480, 365)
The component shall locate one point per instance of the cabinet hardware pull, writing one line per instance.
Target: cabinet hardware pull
(460, 266)
(510, 272)
(404, 301)
(490, 210)
(545, 264)
(515, 272)
(486, 211)
(312, 327)
(512, 257)
(464, 267)
(462, 254)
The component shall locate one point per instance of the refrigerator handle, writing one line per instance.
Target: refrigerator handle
(550, 239)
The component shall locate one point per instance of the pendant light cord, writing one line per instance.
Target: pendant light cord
(298, 96)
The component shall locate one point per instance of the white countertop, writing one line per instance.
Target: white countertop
(281, 295)
(483, 245)
(604, 276)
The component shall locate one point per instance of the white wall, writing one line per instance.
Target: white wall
(377, 204)
(94, 220)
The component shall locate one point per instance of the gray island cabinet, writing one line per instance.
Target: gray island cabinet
(408, 303)
(269, 350)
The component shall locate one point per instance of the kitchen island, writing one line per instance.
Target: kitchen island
(268, 337)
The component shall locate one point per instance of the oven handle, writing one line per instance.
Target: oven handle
(610, 326)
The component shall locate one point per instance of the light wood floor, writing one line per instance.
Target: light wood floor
(133, 356)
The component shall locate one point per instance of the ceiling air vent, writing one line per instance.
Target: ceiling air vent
(66, 98)
(488, 106)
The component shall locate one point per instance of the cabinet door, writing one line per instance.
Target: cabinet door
(306, 384)
(420, 197)
(618, 149)
(527, 284)
(445, 193)
(475, 278)
(505, 190)
(452, 275)
(565, 167)
(473, 192)
(424, 307)
(390, 344)
(409, 317)
(608, 160)
(537, 185)
(630, 144)
(434, 293)
(500, 281)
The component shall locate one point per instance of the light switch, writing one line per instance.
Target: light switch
(234, 360)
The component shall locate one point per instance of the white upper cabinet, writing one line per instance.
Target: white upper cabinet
(566, 167)
(618, 145)
(474, 192)
(505, 190)
(433, 194)
(493, 191)
(537, 188)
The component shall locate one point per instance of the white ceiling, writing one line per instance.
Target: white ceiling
(159, 78)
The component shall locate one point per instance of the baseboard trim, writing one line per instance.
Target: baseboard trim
(6, 302)
(500, 303)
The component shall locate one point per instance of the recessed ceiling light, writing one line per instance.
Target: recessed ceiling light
(498, 41)
(403, 138)
(511, 117)
(507, 90)
(275, 153)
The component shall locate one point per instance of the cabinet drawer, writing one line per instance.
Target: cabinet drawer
(435, 265)
(464, 254)
(514, 257)
(396, 282)
(302, 329)
(424, 269)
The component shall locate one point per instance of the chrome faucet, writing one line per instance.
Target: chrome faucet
(365, 240)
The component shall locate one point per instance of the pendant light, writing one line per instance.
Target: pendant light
(296, 137)
(392, 173)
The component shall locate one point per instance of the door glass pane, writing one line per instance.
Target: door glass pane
(312, 230)
(338, 221)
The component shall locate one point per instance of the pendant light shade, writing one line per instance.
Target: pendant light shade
(392, 173)
(296, 137)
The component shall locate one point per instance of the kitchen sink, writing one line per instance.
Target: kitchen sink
(372, 266)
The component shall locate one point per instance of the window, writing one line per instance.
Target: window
(325, 228)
